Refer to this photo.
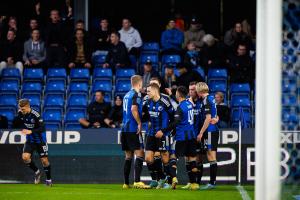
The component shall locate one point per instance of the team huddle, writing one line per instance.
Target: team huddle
(180, 126)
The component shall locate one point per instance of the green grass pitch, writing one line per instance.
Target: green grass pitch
(113, 191)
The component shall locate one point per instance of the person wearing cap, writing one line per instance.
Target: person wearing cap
(115, 116)
(172, 39)
(194, 34)
(148, 73)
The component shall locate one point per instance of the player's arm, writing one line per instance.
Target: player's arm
(135, 112)
(207, 121)
(177, 118)
(39, 126)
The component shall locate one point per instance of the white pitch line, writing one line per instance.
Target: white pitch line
(243, 192)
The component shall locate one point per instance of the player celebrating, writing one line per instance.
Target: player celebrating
(35, 132)
(185, 137)
(158, 110)
(131, 137)
(209, 133)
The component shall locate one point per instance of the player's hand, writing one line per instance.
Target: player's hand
(199, 137)
(139, 129)
(214, 120)
(97, 124)
(159, 134)
(26, 132)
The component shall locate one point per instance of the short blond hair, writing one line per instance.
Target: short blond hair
(24, 102)
(135, 79)
(202, 87)
(220, 94)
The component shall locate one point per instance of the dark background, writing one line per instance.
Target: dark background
(150, 17)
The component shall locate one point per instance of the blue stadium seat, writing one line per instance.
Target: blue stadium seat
(77, 101)
(245, 117)
(99, 85)
(200, 72)
(122, 87)
(8, 100)
(151, 47)
(33, 74)
(54, 101)
(133, 61)
(11, 73)
(289, 100)
(99, 59)
(78, 87)
(52, 118)
(72, 117)
(32, 87)
(9, 86)
(102, 74)
(217, 73)
(170, 60)
(289, 86)
(240, 102)
(79, 74)
(9, 113)
(290, 118)
(241, 90)
(72, 126)
(56, 74)
(55, 86)
(217, 86)
(34, 99)
(124, 74)
(154, 58)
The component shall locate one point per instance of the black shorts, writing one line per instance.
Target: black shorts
(131, 141)
(186, 148)
(157, 144)
(40, 148)
(210, 141)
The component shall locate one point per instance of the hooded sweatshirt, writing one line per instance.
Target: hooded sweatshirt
(131, 38)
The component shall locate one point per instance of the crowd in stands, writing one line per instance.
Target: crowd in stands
(57, 44)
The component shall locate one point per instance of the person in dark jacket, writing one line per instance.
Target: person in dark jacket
(102, 36)
(187, 76)
(147, 74)
(79, 51)
(117, 56)
(222, 110)
(115, 116)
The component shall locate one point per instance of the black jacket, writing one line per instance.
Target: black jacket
(11, 49)
(118, 54)
(72, 51)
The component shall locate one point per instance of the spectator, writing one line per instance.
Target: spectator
(169, 78)
(34, 51)
(117, 56)
(97, 112)
(3, 122)
(191, 57)
(222, 110)
(55, 40)
(186, 76)
(147, 74)
(172, 39)
(115, 116)
(131, 37)
(79, 51)
(80, 25)
(235, 36)
(179, 22)
(11, 52)
(241, 66)
(212, 53)
(101, 36)
(195, 34)
(33, 25)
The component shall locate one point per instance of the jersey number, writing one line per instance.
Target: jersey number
(125, 105)
(191, 117)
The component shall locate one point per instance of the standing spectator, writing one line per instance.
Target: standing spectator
(79, 51)
(147, 74)
(241, 66)
(97, 112)
(115, 116)
(34, 51)
(191, 57)
(222, 110)
(117, 56)
(187, 76)
(172, 39)
(212, 53)
(11, 52)
(195, 34)
(102, 35)
(131, 37)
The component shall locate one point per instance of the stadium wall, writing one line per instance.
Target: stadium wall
(95, 156)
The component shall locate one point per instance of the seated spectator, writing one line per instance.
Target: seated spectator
(34, 51)
(79, 51)
(195, 34)
(172, 39)
(147, 74)
(33, 25)
(131, 37)
(187, 76)
(12, 24)
(192, 56)
(102, 36)
(235, 36)
(212, 53)
(80, 25)
(115, 116)
(3, 122)
(169, 78)
(97, 112)
(11, 52)
(241, 66)
(117, 56)
(222, 110)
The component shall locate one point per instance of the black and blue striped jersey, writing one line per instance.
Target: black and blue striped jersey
(159, 113)
(33, 121)
(197, 116)
(209, 107)
(129, 123)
